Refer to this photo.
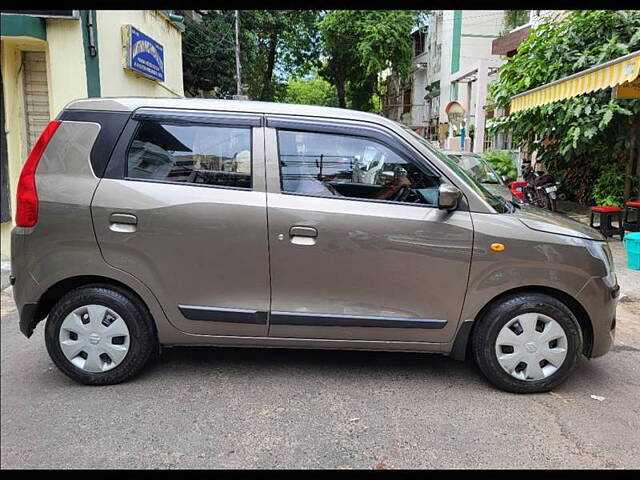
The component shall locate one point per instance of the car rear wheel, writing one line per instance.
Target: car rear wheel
(100, 335)
(527, 343)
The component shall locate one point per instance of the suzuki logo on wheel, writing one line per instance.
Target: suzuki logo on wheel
(531, 347)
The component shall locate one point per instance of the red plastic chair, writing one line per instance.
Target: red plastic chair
(606, 216)
(632, 206)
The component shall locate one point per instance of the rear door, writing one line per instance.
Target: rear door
(182, 207)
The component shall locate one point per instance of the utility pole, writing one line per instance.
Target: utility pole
(238, 83)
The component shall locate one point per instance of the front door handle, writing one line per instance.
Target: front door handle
(123, 222)
(123, 218)
(303, 232)
(303, 235)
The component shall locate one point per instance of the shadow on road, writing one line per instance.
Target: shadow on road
(200, 360)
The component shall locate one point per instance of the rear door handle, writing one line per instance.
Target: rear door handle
(123, 222)
(303, 232)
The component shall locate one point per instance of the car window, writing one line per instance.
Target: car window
(323, 164)
(196, 154)
(496, 202)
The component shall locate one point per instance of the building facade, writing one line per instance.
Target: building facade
(50, 58)
(451, 42)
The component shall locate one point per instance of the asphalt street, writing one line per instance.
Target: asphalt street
(274, 408)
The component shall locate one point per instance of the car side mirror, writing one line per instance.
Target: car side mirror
(448, 196)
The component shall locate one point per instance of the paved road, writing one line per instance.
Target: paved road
(251, 408)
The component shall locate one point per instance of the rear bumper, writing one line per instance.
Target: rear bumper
(28, 320)
(26, 291)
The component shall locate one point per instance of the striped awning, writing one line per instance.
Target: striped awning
(616, 72)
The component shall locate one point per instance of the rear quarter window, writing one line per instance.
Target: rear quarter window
(111, 126)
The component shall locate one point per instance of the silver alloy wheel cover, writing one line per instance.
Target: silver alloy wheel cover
(94, 336)
(531, 347)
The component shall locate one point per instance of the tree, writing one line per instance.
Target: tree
(361, 44)
(286, 41)
(310, 91)
(577, 138)
(208, 59)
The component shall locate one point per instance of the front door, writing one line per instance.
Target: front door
(358, 248)
(182, 207)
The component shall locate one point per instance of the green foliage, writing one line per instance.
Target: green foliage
(288, 42)
(591, 126)
(271, 41)
(503, 163)
(310, 91)
(608, 189)
(208, 57)
(514, 18)
(361, 44)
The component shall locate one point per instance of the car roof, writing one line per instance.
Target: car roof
(128, 104)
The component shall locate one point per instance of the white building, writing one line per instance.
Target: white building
(453, 42)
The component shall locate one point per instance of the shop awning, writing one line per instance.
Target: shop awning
(622, 71)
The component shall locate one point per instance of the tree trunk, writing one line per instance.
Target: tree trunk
(342, 101)
(266, 94)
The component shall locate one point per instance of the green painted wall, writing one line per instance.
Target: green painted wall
(92, 65)
(22, 26)
(455, 49)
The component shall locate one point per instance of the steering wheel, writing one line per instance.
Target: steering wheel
(402, 194)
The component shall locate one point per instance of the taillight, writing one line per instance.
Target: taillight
(27, 195)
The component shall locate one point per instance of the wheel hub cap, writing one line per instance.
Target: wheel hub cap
(531, 346)
(94, 338)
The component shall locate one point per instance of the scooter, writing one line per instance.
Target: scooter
(541, 189)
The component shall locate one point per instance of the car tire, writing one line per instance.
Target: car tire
(499, 341)
(126, 329)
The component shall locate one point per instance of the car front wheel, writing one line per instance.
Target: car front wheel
(527, 343)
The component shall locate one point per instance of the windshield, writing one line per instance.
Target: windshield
(477, 166)
(498, 203)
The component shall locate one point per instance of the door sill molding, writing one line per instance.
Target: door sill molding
(358, 321)
(196, 339)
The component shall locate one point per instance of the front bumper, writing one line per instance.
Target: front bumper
(600, 301)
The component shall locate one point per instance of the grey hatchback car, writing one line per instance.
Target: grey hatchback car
(151, 223)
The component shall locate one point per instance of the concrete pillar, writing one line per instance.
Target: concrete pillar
(468, 106)
(481, 100)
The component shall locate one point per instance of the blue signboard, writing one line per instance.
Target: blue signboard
(146, 56)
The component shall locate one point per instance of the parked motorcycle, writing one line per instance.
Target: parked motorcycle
(541, 188)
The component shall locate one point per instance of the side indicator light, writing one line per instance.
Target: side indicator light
(497, 247)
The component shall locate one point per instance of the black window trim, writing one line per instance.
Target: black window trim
(198, 117)
(358, 131)
(117, 168)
